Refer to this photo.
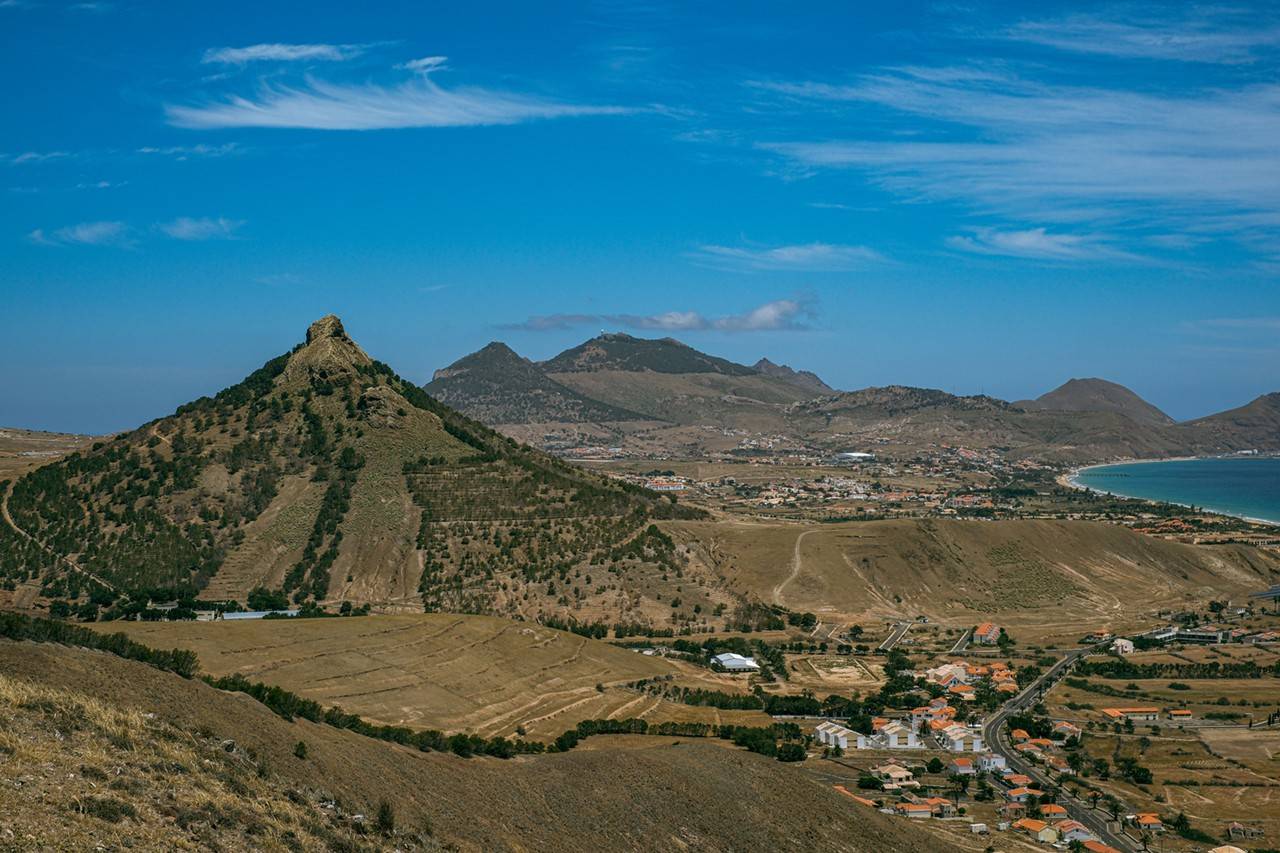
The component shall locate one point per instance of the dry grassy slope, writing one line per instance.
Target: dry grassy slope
(82, 773)
(694, 795)
(443, 671)
(1033, 572)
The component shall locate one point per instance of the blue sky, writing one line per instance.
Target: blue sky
(978, 198)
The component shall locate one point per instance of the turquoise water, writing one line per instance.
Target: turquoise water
(1246, 487)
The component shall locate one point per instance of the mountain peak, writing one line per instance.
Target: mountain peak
(1090, 394)
(328, 326)
(806, 379)
(327, 354)
(622, 352)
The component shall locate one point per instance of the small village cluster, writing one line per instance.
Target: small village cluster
(1022, 811)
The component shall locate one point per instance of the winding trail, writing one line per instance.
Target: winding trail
(795, 568)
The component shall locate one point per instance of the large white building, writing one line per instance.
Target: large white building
(733, 662)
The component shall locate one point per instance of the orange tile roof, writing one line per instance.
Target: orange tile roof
(1099, 847)
(1052, 808)
(1030, 824)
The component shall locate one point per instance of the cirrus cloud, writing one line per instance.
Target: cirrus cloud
(420, 102)
(282, 53)
(804, 257)
(1037, 243)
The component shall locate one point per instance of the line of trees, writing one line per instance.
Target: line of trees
(15, 626)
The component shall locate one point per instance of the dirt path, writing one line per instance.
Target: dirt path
(4, 511)
(795, 568)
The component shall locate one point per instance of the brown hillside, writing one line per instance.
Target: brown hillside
(660, 797)
(910, 419)
(1254, 426)
(1047, 575)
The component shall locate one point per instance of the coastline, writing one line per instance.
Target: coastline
(1070, 479)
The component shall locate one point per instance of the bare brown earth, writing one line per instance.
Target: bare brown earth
(476, 674)
(1053, 580)
(691, 795)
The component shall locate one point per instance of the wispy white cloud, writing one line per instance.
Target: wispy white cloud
(283, 53)
(201, 228)
(1192, 34)
(85, 234)
(805, 257)
(1038, 243)
(186, 152)
(779, 315)
(38, 157)
(419, 102)
(425, 65)
(1008, 144)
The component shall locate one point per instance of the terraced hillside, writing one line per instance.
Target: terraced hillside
(326, 476)
(455, 673)
(92, 731)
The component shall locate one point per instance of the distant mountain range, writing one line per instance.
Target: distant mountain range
(663, 396)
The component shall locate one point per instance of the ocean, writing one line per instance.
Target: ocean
(1246, 487)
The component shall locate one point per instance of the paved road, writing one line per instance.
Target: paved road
(899, 631)
(962, 643)
(996, 737)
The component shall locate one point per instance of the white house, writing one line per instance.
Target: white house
(958, 738)
(1122, 646)
(834, 734)
(1074, 830)
(989, 762)
(733, 662)
(892, 735)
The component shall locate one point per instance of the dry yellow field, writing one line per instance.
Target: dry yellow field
(451, 672)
